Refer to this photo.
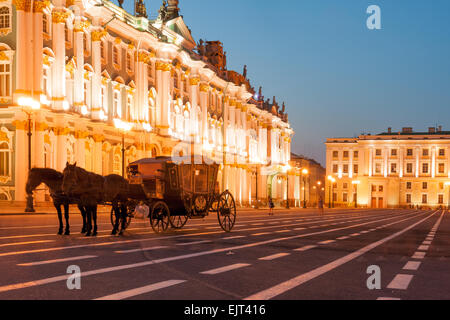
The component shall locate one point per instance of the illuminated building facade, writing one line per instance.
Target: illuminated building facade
(391, 169)
(89, 65)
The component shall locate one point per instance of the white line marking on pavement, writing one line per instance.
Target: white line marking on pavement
(412, 265)
(401, 282)
(282, 231)
(193, 243)
(274, 256)
(327, 242)
(64, 277)
(232, 238)
(226, 269)
(423, 248)
(419, 255)
(299, 229)
(38, 263)
(141, 249)
(305, 277)
(343, 238)
(427, 243)
(261, 234)
(24, 243)
(305, 248)
(142, 290)
(355, 234)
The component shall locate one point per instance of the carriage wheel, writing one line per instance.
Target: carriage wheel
(160, 217)
(226, 211)
(113, 219)
(178, 222)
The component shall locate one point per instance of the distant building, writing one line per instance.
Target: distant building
(391, 169)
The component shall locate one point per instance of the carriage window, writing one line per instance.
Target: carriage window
(201, 179)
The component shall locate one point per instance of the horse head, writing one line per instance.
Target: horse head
(33, 181)
(70, 178)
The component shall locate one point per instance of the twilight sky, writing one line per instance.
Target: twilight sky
(337, 77)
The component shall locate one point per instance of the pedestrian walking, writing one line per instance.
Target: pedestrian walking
(271, 206)
(321, 205)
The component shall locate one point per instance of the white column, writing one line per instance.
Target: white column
(20, 163)
(433, 162)
(37, 54)
(80, 149)
(59, 66)
(78, 76)
(96, 94)
(21, 57)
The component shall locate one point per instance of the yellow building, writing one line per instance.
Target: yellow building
(389, 170)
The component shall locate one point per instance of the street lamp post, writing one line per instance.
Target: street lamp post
(287, 168)
(304, 173)
(355, 184)
(29, 105)
(123, 127)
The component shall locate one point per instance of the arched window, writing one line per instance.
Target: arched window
(115, 56)
(103, 50)
(45, 23)
(5, 160)
(117, 108)
(5, 18)
(5, 78)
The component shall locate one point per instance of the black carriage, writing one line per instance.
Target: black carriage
(174, 192)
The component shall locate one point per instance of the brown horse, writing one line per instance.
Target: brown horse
(53, 180)
(92, 189)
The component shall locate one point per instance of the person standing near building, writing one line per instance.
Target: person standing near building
(321, 205)
(271, 206)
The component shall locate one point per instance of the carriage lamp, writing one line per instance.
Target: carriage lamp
(29, 105)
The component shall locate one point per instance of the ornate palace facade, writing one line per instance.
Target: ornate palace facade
(391, 169)
(83, 65)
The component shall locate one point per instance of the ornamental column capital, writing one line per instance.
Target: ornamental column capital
(81, 26)
(60, 16)
(40, 6)
(163, 66)
(194, 81)
(98, 35)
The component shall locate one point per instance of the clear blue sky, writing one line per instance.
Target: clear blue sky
(338, 78)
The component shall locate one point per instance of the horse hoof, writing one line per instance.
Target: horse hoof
(94, 234)
(114, 232)
(121, 233)
(67, 233)
(83, 230)
(88, 234)
(60, 232)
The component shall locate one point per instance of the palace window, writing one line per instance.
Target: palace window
(150, 74)
(129, 107)
(115, 56)
(409, 152)
(5, 79)
(344, 197)
(175, 81)
(378, 168)
(393, 168)
(425, 152)
(424, 185)
(441, 199)
(442, 152)
(45, 23)
(5, 18)
(441, 168)
(424, 199)
(380, 188)
(5, 160)
(335, 154)
(345, 168)
(355, 169)
(335, 168)
(408, 185)
(129, 62)
(425, 168)
(345, 185)
(378, 152)
(409, 168)
(345, 154)
(408, 198)
(117, 108)
(355, 154)
(394, 152)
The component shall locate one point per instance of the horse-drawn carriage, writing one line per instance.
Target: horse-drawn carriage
(174, 192)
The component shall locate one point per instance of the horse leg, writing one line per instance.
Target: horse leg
(123, 217)
(94, 216)
(88, 221)
(58, 209)
(117, 215)
(66, 216)
(83, 215)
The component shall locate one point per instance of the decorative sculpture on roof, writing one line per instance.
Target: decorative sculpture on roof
(121, 3)
(140, 9)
